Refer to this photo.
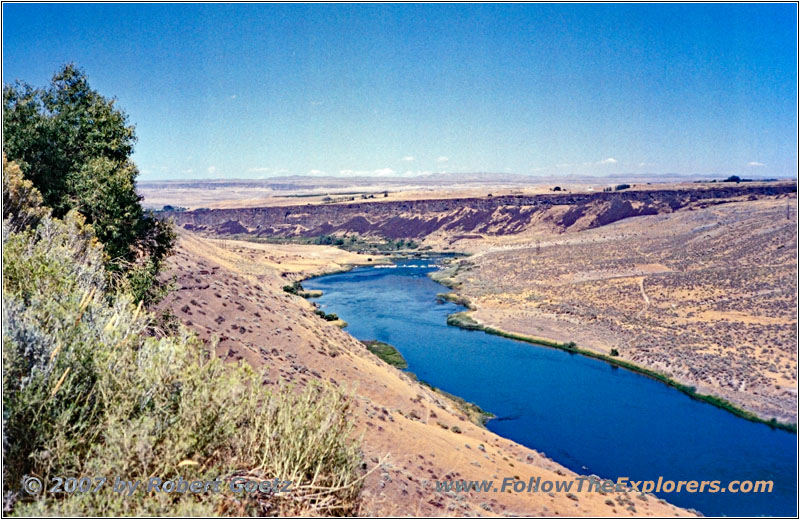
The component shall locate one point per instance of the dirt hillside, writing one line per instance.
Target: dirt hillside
(233, 291)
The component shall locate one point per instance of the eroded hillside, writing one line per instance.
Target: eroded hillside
(451, 220)
(412, 436)
(708, 297)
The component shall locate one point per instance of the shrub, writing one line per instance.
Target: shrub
(614, 352)
(75, 147)
(387, 353)
(620, 187)
(294, 288)
(22, 203)
(325, 316)
(87, 391)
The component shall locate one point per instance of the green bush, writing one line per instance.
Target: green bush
(88, 390)
(75, 146)
(327, 317)
(294, 288)
(387, 353)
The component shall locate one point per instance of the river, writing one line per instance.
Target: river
(583, 413)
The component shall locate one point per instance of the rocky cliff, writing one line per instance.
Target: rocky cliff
(465, 218)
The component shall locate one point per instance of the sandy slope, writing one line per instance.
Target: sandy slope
(708, 296)
(232, 290)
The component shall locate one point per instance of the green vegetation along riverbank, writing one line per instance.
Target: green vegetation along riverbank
(387, 353)
(464, 321)
(392, 356)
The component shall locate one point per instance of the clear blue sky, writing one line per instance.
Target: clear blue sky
(256, 90)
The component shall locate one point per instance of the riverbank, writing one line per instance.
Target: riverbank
(589, 415)
(232, 295)
(707, 298)
(446, 276)
(389, 354)
(464, 321)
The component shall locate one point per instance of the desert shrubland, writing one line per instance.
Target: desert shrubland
(89, 390)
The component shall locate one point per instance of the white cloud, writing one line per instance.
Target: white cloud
(442, 159)
(316, 172)
(188, 171)
(563, 165)
(232, 96)
(755, 164)
(610, 160)
(408, 158)
(259, 170)
(383, 172)
(212, 170)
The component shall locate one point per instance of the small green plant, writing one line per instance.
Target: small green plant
(614, 352)
(327, 317)
(295, 288)
(387, 353)
(463, 320)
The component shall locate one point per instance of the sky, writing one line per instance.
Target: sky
(262, 90)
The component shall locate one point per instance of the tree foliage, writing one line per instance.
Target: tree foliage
(75, 146)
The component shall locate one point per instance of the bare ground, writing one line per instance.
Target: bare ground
(708, 296)
(232, 291)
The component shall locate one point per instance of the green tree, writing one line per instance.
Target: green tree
(75, 146)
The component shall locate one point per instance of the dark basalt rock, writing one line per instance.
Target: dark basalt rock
(499, 215)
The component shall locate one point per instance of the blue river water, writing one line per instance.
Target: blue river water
(583, 413)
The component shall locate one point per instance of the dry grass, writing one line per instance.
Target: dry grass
(404, 445)
(87, 390)
(708, 297)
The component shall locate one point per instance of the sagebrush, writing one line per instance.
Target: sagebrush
(89, 391)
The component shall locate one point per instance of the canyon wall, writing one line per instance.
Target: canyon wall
(486, 216)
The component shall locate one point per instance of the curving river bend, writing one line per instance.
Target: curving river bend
(583, 413)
